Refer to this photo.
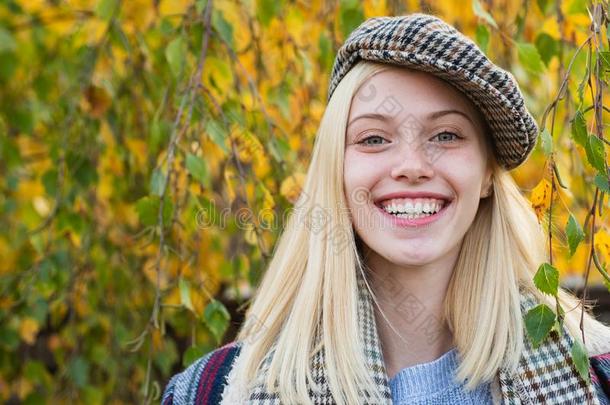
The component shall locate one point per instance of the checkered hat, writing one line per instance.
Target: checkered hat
(425, 42)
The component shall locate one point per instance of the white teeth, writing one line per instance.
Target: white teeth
(411, 210)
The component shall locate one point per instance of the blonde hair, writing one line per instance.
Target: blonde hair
(310, 284)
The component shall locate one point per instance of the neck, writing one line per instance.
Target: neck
(414, 329)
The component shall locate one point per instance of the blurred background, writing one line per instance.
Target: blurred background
(150, 152)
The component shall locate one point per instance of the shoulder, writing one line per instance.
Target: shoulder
(203, 381)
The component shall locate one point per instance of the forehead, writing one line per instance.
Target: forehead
(396, 90)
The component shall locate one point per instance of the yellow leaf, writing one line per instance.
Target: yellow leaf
(295, 142)
(296, 28)
(139, 151)
(33, 6)
(291, 187)
(602, 244)
(374, 8)
(229, 176)
(218, 77)
(250, 235)
(28, 329)
(28, 189)
(172, 7)
(150, 271)
(261, 166)
(541, 198)
(30, 146)
(23, 387)
(136, 16)
(268, 202)
(266, 214)
(41, 205)
(8, 255)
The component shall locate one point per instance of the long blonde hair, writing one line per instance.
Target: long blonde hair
(311, 281)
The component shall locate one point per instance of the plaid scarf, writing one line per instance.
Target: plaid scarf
(545, 375)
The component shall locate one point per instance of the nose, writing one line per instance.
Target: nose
(414, 163)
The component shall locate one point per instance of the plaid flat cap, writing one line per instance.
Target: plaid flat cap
(425, 42)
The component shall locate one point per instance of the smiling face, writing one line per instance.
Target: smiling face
(415, 147)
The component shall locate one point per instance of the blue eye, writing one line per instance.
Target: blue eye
(447, 139)
(364, 141)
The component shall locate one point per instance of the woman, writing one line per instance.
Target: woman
(405, 272)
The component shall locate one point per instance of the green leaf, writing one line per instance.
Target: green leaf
(547, 47)
(326, 52)
(547, 279)
(279, 149)
(350, 18)
(543, 5)
(529, 57)
(9, 65)
(200, 6)
(198, 169)
(175, 53)
(78, 371)
(105, 9)
(480, 12)
(50, 181)
(222, 26)
(581, 360)
(577, 7)
(605, 59)
(7, 42)
(579, 129)
(575, 233)
(538, 322)
(160, 131)
(9, 338)
(148, 210)
(93, 395)
(482, 37)
(266, 10)
(185, 294)
(157, 182)
(217, 133)
(546, 142)
(601, 181)
(216, 317)
(595, 153)
(192, 354)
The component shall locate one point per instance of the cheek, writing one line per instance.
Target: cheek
(466, 169)
(360, 173)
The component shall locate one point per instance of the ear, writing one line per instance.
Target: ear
(487, 188)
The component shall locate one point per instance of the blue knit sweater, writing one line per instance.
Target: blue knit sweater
(434, 383)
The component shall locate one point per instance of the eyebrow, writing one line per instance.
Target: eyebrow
(432, 116)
